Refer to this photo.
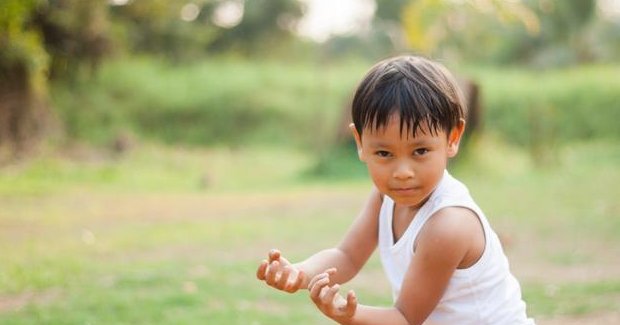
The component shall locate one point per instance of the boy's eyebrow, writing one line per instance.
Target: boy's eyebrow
(413, 143)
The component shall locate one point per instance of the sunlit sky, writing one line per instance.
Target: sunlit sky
(328, 17)
(609, 8)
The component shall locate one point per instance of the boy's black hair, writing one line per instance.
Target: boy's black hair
(417, 89)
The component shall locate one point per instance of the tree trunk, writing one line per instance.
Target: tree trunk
(24, 113)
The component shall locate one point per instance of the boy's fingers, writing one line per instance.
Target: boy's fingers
(270, 278)
(315, 279)
(284, 278)
(262, 269)
(274, 255)
(330, 272)
(330, 293)
(351, 303)
(315, 291)
(312, 281)
(300, 279)
(294, 286)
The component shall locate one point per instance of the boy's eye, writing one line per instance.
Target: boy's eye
(420, 152)
(382, 153)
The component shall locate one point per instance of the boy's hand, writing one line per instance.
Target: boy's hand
(279, 273)
(329, 301)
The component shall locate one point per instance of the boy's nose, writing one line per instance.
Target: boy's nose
(403, 170)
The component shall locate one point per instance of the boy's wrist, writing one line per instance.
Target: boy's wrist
(306, 277)
(350, 320)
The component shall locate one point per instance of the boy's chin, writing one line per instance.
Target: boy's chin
(408, 201)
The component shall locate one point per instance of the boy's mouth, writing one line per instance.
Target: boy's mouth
(405, 190)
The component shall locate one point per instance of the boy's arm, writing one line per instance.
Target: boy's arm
(450, 237)
(355, 248)
(453, 237)
(348, 257)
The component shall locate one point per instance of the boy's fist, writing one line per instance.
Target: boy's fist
(279, 273)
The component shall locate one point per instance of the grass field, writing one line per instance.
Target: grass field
(173, 236)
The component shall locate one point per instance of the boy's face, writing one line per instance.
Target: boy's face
(406, 168)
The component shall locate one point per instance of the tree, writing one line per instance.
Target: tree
(181, 29)
(264, 24)
(24, 111)
(388, 20)
(433, 26)
(564, 33)
(75, 34)
(174, 29)
(39, 39)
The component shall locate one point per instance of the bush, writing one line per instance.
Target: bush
(218, 101)
(236, 102)
(555, 106)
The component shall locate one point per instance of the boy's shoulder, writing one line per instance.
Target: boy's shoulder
(453, 236)
(452, 210)
(452, 220)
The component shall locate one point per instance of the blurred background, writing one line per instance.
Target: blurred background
(153, 151)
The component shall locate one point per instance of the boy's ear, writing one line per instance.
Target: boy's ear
(358, 141)
(454, 138)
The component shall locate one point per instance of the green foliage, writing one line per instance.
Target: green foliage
(265, 24)
(154, 26)
(217, 101)
(75, 34)
(238, 103)
(563, 19)
(566, 35)
(338, 162)
(21, 45)
(389, 10)
(553, 106)
(542, 33)
(157, 28)
(458, 29)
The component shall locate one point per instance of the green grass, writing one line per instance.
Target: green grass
(155, 168)
(572, 298)
(149, 246)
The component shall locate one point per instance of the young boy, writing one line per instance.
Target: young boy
(444, 262)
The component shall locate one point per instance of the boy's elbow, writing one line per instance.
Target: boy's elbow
(409, 318)
(354, 266)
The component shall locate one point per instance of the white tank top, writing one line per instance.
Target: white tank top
(485, 293)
